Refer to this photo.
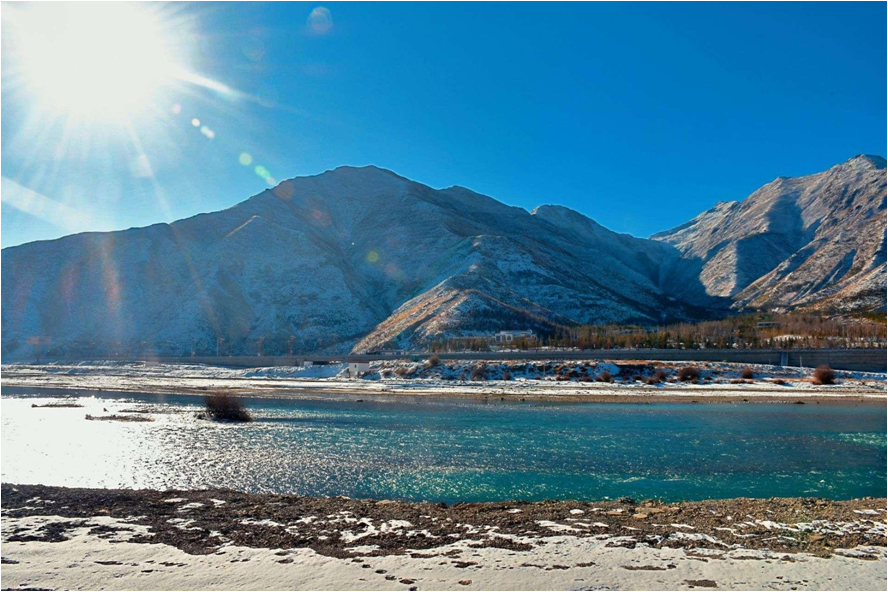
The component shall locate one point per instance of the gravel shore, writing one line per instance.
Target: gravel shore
(401, 545)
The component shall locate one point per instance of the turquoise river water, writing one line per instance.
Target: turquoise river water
(451, 450)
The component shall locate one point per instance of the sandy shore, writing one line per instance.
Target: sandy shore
(772, 384)
(94, 539)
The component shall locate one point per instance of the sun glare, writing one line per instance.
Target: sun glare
(96, 60)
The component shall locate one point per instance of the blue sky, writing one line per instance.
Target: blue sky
(639, 116)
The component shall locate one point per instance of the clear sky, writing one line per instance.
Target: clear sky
(638, 115)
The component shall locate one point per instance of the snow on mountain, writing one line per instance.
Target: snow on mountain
(320, 263)
(361, 258)
(816, 241)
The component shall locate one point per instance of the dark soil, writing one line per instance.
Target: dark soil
(648, 522)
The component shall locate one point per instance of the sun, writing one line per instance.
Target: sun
(96, 61)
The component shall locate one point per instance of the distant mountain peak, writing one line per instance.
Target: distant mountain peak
(555, 211)
(552, 208)
(868, 159)
(369, 173)
(796, 241)
(361, 167)
(367, 170)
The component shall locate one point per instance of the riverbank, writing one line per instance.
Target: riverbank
(85, 538)
(591, 381)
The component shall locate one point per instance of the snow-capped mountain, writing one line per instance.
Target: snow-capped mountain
(354, 254)
(815, 241)
(363, 258)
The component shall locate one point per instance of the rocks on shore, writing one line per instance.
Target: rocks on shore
(114, 417)
(337, 526)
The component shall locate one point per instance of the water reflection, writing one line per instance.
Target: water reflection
(451, 450)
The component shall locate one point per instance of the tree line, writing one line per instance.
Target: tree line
(749, 331)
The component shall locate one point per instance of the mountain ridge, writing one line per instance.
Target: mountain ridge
(752, 250)
(361, 257)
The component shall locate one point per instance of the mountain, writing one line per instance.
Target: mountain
(352, 257)
(361, 259)
(816, 241)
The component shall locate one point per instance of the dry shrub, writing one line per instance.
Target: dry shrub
(432, 362)
(507, 375)
(780, 381)
(479, 372)
(688, 373)
(658, 377)
(824, 375)
(403, 371)
(747, 373)
(224, 407)
(605, 377)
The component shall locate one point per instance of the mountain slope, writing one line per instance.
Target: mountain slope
(815, 241)
(324, 262)
(361, 258)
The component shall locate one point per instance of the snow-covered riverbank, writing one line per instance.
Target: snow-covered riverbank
(91, 539)
(570, 380)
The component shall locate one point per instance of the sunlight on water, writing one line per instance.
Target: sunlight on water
(451, 451)
(877, 439)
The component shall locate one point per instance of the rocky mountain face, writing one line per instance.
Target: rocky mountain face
(816, 241)
(352, 257)
(361, 258)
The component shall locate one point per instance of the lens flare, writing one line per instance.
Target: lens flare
(320, 21)
(95, 60)
(112, 78)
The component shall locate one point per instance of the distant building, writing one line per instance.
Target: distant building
(357, 368)
(789, 338)
(506, 337)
